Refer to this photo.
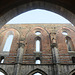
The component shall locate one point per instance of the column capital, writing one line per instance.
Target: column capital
(21, 45)
(53, 45)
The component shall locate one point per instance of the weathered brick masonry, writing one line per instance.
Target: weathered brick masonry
(54, 54)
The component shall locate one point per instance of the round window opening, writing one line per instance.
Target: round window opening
(64, 33)
(37, 33)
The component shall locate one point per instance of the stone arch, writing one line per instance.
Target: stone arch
(72, 72)
(5, 35)
(37, 71)
(31, 37)
(14, 46)
(59, 34)
(3, 71)
(63, 46)
(30, 44)
(37, 5)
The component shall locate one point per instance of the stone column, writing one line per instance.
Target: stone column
(55, 58)
(20, 53)
(19, 58)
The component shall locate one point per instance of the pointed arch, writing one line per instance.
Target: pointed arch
(37, 71)
(72, 72)
(10, 35)
(67, 35)
(32, 37)
(30, 43)
(13, 49)
(26, 6)
(3, 71)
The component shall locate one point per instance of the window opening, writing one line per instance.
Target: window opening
(37, 74)
(69, 43)
(2, 59)
(8, 43)
(73, 59)
(2, 73)
(64, 33)
(37, 61)
(37, 45)
(38, 33)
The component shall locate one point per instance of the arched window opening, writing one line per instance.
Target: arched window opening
(73, 59)
(65, 33)
(2, 59)
(69, 43)
(2, 73)
(8, 43)
(37, 61)
(37, 33)
(38, 46)
(37, 74)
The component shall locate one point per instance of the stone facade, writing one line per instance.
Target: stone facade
(56, 55)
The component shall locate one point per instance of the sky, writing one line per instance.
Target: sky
(38, 16)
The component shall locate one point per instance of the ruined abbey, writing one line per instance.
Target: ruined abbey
(47, 49)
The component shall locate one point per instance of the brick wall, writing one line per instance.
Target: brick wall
(26, 34)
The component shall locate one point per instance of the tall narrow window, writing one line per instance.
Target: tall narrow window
(73, 59)
(37, 61)
(69, 43)
(37, 45)
(2, 73)
(8, 43)
(37, 74)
